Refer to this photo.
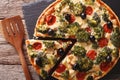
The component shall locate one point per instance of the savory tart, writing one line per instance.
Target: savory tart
(92, 26)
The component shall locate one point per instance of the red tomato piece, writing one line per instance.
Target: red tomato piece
(61, 68)
(88, 29)
(37, 45)
(72, 19)
(103, 42)
(104, 66)
(72, 36)
(80, 75)
(91, 54)
(107, 29)
(50, 19)
(89, 10)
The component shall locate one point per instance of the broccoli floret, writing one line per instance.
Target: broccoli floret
(115, 52)
(42, 28)
(103, 54)
(89, 2)
(95, 45)
(49, 44)
(73, 28)
(105, 17)
(79, 51)
(94, 22)
(41, 61)
(98, 32)
(82, 36)
(43, 73)
(115, 37)
(76, 8)
(29, 46)
(85, 64)
(65, 75)
(96, 18)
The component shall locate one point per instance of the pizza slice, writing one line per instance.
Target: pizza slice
(84, 63)
(44, 54)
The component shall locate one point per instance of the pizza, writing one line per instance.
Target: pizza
(90, 32)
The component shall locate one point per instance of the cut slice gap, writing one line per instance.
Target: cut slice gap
(51, 38)
(45, 54)
(63, 56)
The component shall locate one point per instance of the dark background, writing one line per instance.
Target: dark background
(32, 11)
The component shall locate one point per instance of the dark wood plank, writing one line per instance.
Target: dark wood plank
(15, 72)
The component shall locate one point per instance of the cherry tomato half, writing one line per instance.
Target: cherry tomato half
(91, 54)
(103, 42)
(61, 68)
(104, 66)
(50, 19)
(37, 45)
(80, 75)
(89, 10)
(88, 29)
(107, 29)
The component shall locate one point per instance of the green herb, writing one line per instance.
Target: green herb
(76, 8)
(52, 60)
(59, 35)
(29, 46)
(98, 32)
(62, 5)
(82, 36)
(89, 2)
(115, 37)
(62, 29)
(92, 23)
(95, 45)
(103, 54)
(95, 21)
(73, 28)
(90, 78)
(105, 17)
(96, 18)
(85, 64)
(79, 51)
(43, 74)
(42, 29)
(65, 75)
(115, 52)
(43, 59)
(49, 44)
(33, 55)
